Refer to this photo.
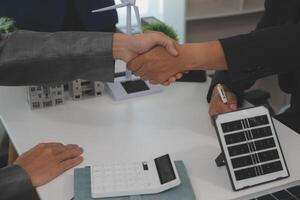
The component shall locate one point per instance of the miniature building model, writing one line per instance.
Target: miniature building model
(45, 96)
(82, 88)
(53, 95)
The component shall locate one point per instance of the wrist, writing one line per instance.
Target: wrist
(203, 56)
(119, 46)
(187, 56)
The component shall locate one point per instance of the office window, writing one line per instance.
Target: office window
(165, 10)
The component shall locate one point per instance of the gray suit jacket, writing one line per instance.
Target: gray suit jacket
(31, 58)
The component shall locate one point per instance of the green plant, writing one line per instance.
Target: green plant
(7, 25)
(164, 28)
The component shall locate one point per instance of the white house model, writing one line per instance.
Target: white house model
(53, 95)
(80, 89)
(45, 96)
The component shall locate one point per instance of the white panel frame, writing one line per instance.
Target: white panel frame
(242, 114)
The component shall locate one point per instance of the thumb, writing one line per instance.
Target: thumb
(233, 106)
(232, 103)
(171, 48)
(167, 43)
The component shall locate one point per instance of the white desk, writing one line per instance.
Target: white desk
(174, 121)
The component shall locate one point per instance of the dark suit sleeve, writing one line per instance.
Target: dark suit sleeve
(15, 184)
(273, 50)
(31, 58)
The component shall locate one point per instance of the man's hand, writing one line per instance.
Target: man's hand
(47, 161)
(126, 47)
(158, 66)
(217, 106)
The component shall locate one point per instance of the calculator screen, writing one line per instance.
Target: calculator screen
(165, 169)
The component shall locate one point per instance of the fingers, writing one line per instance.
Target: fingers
(167, 43)
(172, 79)
(153, 82)
(163, 40)
(135, 64)
(71, 151)
(233, 106)
(156, 65)
(127, 48)
(70, 163)
(166, 84)
(48, 160)
(217, 107)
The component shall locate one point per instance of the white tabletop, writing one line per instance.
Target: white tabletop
(174, 121)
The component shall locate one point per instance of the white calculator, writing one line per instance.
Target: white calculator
(136, 178)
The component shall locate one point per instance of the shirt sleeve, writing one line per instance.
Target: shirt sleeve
(31, 58)
(15, 184)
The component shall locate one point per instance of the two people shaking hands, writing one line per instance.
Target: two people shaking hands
(161, 60)
(33, 58)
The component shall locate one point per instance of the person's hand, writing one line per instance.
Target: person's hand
(217, 106)
(158, 66)
(45, 162)
(171, 80)
(126, 47)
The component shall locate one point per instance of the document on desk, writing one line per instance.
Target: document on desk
(82, 187)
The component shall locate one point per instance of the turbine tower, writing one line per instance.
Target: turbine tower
(129, 86)
(129, 4)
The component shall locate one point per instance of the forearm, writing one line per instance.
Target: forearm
(204, 56)
(257, 54)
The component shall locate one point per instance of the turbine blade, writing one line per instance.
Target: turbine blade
(111, 7)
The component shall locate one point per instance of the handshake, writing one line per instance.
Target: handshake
(157, 58)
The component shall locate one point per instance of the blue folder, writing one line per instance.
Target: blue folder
(82, 187)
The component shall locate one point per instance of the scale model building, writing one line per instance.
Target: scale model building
(80, 89)
(53, 95)
(45, 96)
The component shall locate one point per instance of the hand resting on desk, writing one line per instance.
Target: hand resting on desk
(45, 162)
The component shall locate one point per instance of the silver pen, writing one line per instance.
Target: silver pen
(222, 93)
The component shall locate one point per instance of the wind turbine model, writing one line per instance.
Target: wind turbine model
(129, 86)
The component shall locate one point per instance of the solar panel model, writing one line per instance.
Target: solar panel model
(251, 148)
(291, 193)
